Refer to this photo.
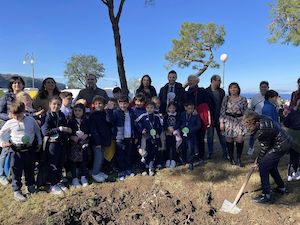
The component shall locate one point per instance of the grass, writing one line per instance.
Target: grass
(216, 178)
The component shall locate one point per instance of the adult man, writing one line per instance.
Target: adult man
(256, 104)
(171, 92)
(274, 143)
(203, 105)
(295, 96)
(217, 94)
(91, 91)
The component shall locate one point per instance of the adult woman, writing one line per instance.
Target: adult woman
(232, 110)
(15, 86)
(146, 88)
(46, 92)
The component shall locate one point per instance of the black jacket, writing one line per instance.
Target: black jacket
(198, 96)
(100, 128)
(179, 97)
(215, 114)
(272, 137)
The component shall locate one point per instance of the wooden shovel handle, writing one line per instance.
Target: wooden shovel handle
(238, 196)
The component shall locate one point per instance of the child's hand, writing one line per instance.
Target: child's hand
(144, 131)
(6, 144)
(222, 126)
(136, 141)
(67, 130)
(195, 113)
(40, 112)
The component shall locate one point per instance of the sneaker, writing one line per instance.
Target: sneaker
(32, 189)
(291, 177)
(56, 190)
(104, 175)
(84, 181)
(62, 186)
(159, 166)
(172, 164)
(281, 190)
(239, 163)
(191, 167)
(4, 181)
(97, 178)
(151, 172)
(168, 163)
(250, 151)
(263, 199)
(18, 196)
(129, 173)
(296, 176)
(121, 178)
(144, 173)
(75, 183)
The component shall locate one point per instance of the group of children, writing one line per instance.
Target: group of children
(67, 137)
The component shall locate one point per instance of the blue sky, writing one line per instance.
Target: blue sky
(55, 30)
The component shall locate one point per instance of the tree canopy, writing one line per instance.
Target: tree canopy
(195, 46)
(79, 67)
(285, 25)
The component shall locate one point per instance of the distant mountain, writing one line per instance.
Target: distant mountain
(4, 81)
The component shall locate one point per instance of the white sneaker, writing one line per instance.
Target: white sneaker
(56, 190)
(168, 163)
(104, 175)
(144, 173)
(84, 181)
(97, 178)
(18, 196)
(296, 176)
(4, 181)
(62, 186)
(75, 183)
(121, 178)
(250, 151)
(172, 164)
(151, 172)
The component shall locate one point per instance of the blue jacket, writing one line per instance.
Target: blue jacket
(138, 111)
(84, 126)
(149, 121)
(100, 128)
(118, 122)
(190, 121)
(269, 109)
(52, 122)
(5, 103)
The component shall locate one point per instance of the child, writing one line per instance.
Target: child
(189, 126)
(149, 125)
(56, 133)
(79, 142)
(171, 126)
(124, 135)
(22, 130)
(29, 110)
(100, 128)
(138, 110)
(67, 98)
(162, 149)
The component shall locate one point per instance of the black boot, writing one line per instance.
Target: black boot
(230, 147)
(239, 151)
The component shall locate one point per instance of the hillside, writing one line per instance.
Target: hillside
(4, 80)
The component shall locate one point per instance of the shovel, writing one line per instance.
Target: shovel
(231, 207)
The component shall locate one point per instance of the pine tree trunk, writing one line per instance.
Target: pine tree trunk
(120, 59)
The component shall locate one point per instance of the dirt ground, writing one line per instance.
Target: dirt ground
(171, 197)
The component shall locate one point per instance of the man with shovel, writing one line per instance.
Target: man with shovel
(274, 143)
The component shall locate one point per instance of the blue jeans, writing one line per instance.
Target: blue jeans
(3, 155)
(55, 157)
(98, 160)
(210, 140)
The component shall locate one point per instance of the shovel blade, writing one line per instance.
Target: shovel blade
(230, 208)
